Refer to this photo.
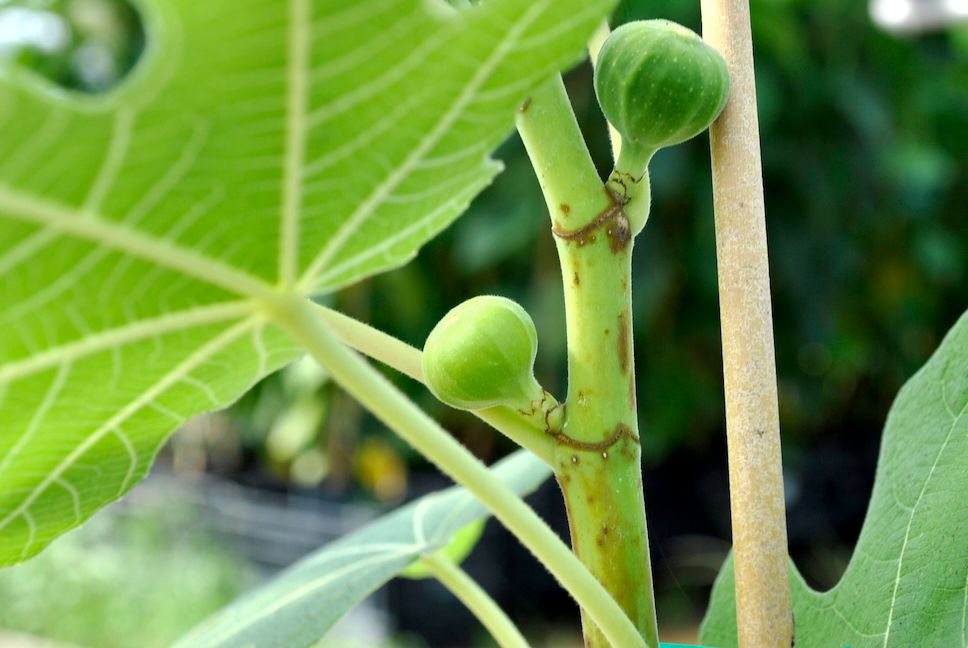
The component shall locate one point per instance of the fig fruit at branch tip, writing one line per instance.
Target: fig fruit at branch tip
(659, 84)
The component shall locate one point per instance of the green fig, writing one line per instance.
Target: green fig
(481, 354)
(659, 84)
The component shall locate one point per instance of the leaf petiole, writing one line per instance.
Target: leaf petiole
(473, 596)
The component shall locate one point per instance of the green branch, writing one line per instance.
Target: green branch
(571, 185)
(598, 454)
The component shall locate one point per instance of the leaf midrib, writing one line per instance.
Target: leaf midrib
(297, 70)
(116, 235)
(907, 531)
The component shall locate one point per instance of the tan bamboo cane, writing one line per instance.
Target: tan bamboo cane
(763, 608)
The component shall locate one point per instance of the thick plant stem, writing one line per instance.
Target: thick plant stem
(406, 359)
(300, 319)
(566, 173)
(598, 453)
(763, 609)
(482, 606)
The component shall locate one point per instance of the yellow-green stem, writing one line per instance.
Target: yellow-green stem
(597, 453)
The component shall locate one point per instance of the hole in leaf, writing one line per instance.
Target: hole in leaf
(86, 46)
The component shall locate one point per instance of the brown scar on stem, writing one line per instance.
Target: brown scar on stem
(621, 431)
(524, 106)
(627, 452)
(602, 536)
(623, 179)
(623, 341)
(612, 219)
(565, 208)
(550, 410)
(535, 404)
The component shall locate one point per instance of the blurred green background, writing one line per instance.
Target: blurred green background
(865, 158)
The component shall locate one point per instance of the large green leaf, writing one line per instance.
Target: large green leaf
(261, 147)
(907, 583)
(301, 604)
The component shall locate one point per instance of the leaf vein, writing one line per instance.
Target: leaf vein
(907, 532)
(126, 239)
(117, 150)
(465, 98)
(115, 337)
(171, 177)
(388, 242)
(25, 249)
(213, 346)
(50, 396)
(300, 17)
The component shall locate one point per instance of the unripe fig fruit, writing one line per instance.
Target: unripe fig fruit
(481, 354)
(659, 84)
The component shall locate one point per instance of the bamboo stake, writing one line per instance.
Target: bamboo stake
(764, 617)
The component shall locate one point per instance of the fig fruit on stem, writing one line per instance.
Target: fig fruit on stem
(659, 84)
(481, 354)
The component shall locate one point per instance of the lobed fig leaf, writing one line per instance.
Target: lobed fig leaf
(907, 581)
(301, 604)
(258, 150)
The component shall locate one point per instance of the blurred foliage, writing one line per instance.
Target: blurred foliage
(85, 45)
(122, 582)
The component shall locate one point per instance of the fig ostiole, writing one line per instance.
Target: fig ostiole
(481, 354)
